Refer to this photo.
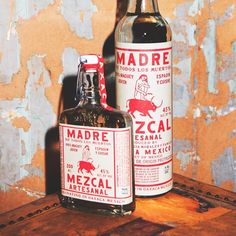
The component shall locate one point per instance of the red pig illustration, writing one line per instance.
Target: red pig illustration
(143, 106)
(85, 165)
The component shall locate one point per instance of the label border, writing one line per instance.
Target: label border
(110, 130)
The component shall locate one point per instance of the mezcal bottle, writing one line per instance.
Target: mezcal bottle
(144, 89)
(96, 148)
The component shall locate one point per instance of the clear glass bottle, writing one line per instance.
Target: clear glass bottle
(96, 148)
(144, 89)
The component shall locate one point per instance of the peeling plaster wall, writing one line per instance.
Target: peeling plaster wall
(39, 45)
(204, 36)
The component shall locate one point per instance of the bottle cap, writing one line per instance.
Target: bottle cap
(89, 62)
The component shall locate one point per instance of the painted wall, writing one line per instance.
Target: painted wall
(39, 45)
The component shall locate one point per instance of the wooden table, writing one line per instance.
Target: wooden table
(191, 208)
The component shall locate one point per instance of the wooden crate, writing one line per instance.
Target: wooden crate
(191, 208)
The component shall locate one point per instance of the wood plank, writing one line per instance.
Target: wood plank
(180, 209)
(61, 221)
(218, 196)
(171, 210)
(32, 209)
(46, 216)
(221, 226)
(175, 210)
(140, 227)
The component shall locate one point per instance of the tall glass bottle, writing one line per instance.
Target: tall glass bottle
(96, 148)
(144, 89)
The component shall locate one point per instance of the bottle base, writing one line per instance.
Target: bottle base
(98, 208)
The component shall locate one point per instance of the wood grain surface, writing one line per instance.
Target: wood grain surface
(186, 210)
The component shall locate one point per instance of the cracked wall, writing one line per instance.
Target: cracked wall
(39, 45)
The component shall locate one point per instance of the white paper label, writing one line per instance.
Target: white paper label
(96, 164)
(144, 89)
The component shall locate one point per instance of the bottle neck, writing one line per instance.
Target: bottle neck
(143, 6)
(89, 92)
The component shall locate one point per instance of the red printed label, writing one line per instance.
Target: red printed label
(144, 89)
(96, 164)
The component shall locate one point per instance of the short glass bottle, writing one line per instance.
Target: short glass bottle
(96, 148)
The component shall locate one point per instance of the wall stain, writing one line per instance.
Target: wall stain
(70, 63)
(25, 9)
(196, 7)
(21, 122)
(187, 159)
(37, 115)
(224, 168)
(209, 49)
(181, 86)
(9, 45)
(78, 14)
(9, 157)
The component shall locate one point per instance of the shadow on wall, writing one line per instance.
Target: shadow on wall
(52, 147)
(109, 56)
(67, 100)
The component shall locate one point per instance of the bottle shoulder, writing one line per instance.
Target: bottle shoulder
(122, 115)
(143, 28)
(66, 113)
(96, 116)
